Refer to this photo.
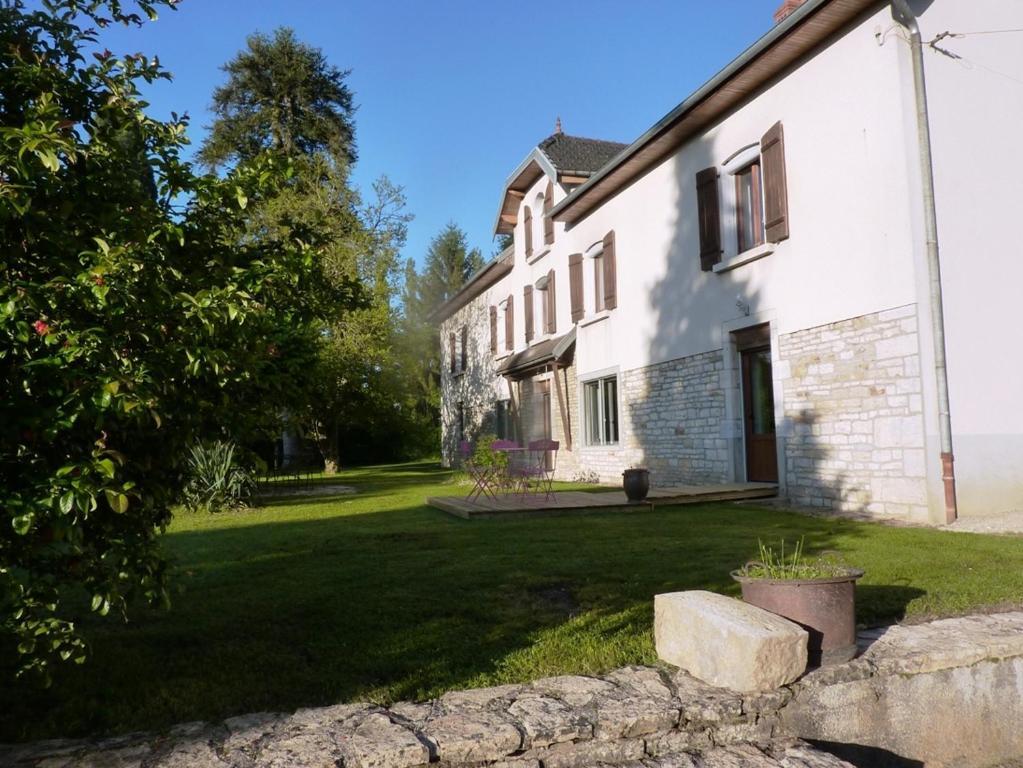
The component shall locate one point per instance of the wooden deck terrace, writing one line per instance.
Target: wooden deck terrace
(581, 502)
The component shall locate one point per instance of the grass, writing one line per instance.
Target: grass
(375, 596)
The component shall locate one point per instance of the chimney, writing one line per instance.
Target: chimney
(786, 8)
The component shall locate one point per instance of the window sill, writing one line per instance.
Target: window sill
(457, 374)
(498, 357)
(601, 446)
(751, 254)
(604, 314)
(540, 339)
(537, 256)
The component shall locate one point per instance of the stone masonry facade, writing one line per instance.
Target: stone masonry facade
(670, 417)
(853, 415)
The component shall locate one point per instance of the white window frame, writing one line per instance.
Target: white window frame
(735, 164)
(599, 379)
(593, 306)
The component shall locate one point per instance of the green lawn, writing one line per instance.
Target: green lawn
(376, 596)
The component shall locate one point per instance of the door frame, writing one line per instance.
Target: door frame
(733, 429)
(748, 349)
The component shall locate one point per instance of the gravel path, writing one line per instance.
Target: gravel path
(1007, 522)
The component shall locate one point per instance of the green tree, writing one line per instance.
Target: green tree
(281, 95)
(136, 318)
(448, 265)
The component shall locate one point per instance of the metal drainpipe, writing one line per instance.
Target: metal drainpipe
(904, 15)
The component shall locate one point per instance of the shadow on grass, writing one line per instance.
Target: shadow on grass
(384, 599)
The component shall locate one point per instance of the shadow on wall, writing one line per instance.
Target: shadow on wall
(687, 416)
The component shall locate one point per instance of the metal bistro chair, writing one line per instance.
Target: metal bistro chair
(539, 470)
(482, 477)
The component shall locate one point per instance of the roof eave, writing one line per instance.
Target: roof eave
(563, 210)
(501, 224)
(486, 276)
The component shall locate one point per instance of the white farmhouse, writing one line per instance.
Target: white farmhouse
(806, 273)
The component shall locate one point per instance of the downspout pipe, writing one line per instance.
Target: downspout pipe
(904, 15)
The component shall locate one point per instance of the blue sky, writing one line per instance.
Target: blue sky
(452, 94)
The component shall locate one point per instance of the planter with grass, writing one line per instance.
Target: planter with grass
(818, 593)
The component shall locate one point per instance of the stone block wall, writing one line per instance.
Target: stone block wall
(670, 417)
(853, 415)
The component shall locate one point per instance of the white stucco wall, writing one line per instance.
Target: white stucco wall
(856, 245)
(976, 110)
(848, 204)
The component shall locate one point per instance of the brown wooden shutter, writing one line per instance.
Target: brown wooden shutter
(548, 222)
(509, 324)
(709, 214)
(610, 271)
(527, 223)
(552, 307)
(451, 351)
(493, 330)
(465, 347)
(776, 196)
(527, 310)
(575, 285)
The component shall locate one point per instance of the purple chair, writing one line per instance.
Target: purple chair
(543, 461)
(482, 477)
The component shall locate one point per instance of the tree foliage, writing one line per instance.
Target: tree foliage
(281, 95)
(136, 318)
(449, 263)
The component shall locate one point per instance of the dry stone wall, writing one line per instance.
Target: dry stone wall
(945, 693)
(635, 716)
(853, 414)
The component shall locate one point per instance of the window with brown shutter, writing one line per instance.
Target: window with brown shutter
(509, 324)
(709, 217)
(776, 203)
(493, 330)
(451, 351)
(548, 222)
(527, 311)
(575, 285)
(609, 271)
(465, 347)
(527, 225)
(551, 314)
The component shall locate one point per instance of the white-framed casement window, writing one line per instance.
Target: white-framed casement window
(742, 206)
(598, 281)
(749, 207)
(600, 410)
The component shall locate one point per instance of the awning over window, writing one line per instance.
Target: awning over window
(539, 356)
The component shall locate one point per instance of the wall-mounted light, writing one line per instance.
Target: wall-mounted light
(742, 305)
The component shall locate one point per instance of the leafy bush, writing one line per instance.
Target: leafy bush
(215, 480)
(485, 456)
(135, 318)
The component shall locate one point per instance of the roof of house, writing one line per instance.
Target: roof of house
(560, 156)
(480, 280)
(786, 45)
(578, 156)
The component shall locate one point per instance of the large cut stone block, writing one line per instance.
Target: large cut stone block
(726, 642)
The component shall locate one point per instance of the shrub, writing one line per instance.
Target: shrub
(215, 480)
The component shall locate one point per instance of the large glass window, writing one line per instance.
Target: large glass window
(598, 284)
(600, 411)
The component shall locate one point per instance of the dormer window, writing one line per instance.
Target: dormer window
(539, 221)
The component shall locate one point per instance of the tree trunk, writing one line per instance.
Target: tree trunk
(331, 451)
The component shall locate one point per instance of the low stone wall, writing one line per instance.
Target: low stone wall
(633, 716)
(948, 693)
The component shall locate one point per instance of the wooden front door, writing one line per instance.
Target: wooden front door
(758, 415)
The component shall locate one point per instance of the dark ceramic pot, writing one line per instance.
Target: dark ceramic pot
(636, 483)
(825, 608)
